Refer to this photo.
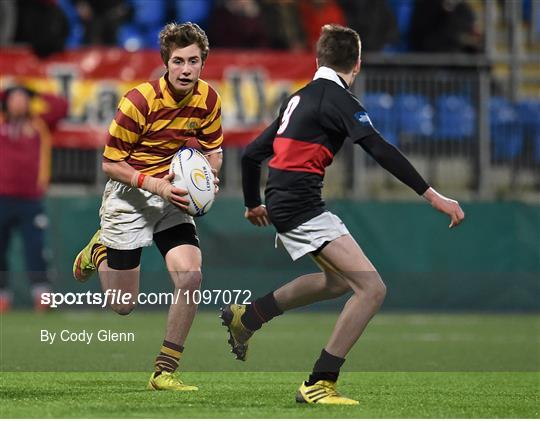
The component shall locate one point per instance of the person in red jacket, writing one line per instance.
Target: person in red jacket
(25, 158)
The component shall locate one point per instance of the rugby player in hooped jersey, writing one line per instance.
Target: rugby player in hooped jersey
(312, 125)
(140, 205)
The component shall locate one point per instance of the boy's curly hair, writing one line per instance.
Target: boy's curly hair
(180, 35)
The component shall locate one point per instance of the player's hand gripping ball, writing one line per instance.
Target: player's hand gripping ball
(193, 172)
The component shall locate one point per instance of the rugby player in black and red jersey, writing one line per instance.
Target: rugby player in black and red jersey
(311, 128)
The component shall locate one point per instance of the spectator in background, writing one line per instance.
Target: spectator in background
(283, 23)
(237, 24)
(448, 26)
(43, 25)
(25, 158)
(101, 19)
(373, 20)
(316, 13)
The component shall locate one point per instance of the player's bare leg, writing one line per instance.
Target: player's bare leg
(346, 256)
(184, 265)
(311, 288)
(93, 258)
(122, 282)
(345, 268)
(301, 291)
(342, 258)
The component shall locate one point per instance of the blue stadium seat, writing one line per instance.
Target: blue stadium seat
(197, 11)
(529, 115)
(151, 37)
(529, 111)
(143, 30)
(414, 114)
(456, 117)
(148, 12)
(506, 129)
(130, 37)
(380, 108)
(526, 10)
(536, 21)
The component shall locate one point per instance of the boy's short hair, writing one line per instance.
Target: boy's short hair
(338, 47)
(180, 35)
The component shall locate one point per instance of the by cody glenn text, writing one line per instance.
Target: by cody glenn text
(84, 336)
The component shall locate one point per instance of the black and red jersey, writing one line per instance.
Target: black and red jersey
(310, 130)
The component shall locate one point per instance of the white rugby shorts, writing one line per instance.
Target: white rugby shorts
(130, 216)
(312, 234)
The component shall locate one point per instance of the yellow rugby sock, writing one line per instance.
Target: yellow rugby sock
(99, 254)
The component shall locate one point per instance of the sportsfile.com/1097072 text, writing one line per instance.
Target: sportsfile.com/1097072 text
(115, 296)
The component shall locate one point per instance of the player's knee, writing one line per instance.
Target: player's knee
(377, 291)
(337, 289)
(189, 280)
(123, 309)
(371, 285)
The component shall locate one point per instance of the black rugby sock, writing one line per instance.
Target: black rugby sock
(260, 311)
(326, 368)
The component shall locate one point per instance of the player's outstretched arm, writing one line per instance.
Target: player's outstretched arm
(257, 216)
(390, 158)
(445, 205)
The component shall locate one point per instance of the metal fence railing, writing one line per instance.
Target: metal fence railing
(453, 124)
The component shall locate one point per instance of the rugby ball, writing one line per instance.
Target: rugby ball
(193, 172)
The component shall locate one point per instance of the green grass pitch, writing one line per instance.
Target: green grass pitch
(406, 365)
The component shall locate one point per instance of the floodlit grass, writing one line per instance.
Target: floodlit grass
(269, 395)
(406, 365)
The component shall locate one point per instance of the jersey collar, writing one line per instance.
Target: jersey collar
(324, 72)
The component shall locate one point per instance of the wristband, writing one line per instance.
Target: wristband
(137, 179)
(140, 180)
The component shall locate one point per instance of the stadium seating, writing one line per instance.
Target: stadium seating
(197, 11)
(455, 118)
(529, 110)
(526, 9)
(148, 12)
(414, 114)
(529, 115)
(149, 18)
(380, 107)
(506, 129)
(537, 23)
(130, 37)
